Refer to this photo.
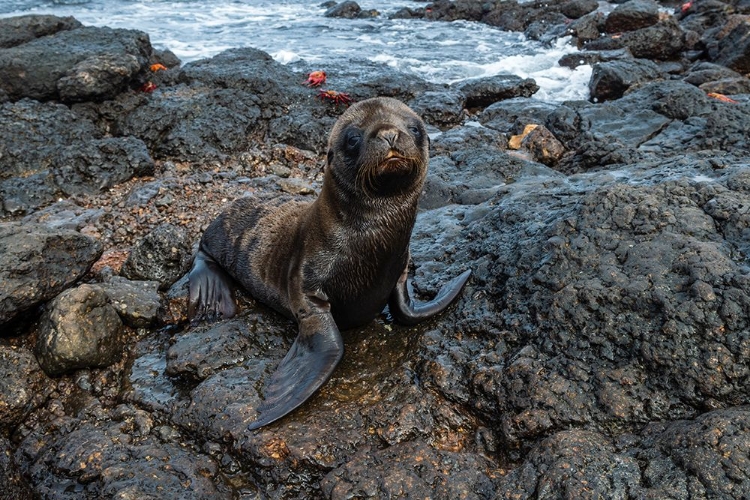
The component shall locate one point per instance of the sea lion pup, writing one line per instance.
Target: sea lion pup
(332, 264)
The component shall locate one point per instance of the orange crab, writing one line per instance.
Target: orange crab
(316, 79)
(721, 97)
(158, 67)
(335, 97)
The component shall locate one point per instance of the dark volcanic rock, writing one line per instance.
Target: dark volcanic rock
(137, 302)
(191, 124)
(37, 263)
(416, 468)
(33, 133)
(76, 65)
(100, 164)
(23, 387)
(706, 457)
(588, 28)
(734, 49)
(118, 452)
(199, 355)
(467, 137)
(576, 59)
(216, 111)
(544, 146)
(47, 150)
(485, 91)
(513, 115)
(15, 486)
(348, 10)
(578, 8)
(705, 72)
(163, 256)
(727, 86)
(632, 15)
(17, 30)
(489, 169)
(610, 80)
(442, 109)
(662, 41)
(80, 330)
(578, 463)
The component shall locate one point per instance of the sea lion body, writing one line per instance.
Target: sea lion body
(332, 264)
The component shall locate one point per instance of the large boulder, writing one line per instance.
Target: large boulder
(610, 80)
(632, 15)
(17, 30)
(46, 151)
(37, 263)
(87, 63)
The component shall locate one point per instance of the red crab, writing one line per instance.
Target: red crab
(335, 97)
(148, 87)
(316, 79)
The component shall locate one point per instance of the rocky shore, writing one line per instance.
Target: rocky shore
(600, 350)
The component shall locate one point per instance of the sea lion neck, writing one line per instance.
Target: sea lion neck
(358, 212)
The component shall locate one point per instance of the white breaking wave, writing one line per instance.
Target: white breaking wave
(293, 30)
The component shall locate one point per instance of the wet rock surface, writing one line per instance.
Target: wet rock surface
(80, 330)
(38, 262)
(600, 349)
(23, 388)
(162, 256)
(75, 65)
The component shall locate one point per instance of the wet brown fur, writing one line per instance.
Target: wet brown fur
(350, 245)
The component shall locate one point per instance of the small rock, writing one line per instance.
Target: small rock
(23, 387)
(15, 485)
(296, 186)
(515, 141)
(610, 80)
(37, 263)
(543, 145)
(280, 170)
(137, 302)
(734, 49)
(162, 255)
(440, 108)
(632, 15)
(575, 9)
(485, 91)
(347, 10)
(576, 59)
(727, 86)
(80, 330)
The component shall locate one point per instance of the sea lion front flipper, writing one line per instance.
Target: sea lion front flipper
(407, 312)
(210, 291)
(308, 364)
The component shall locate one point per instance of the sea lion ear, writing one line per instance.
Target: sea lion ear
(330, 157)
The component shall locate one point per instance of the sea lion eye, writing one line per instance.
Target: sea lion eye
(353, 138)
(416, 132)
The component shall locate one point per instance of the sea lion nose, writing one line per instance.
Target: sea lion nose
(389, 135)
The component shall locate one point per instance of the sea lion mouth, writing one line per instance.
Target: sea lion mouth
(395, 162)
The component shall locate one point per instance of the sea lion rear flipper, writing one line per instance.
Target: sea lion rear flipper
(406, 312)
(210, 291)
(308, 364)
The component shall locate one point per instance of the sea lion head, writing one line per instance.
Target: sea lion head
(378, 148)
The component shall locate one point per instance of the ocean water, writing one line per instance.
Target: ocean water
(291, 30)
